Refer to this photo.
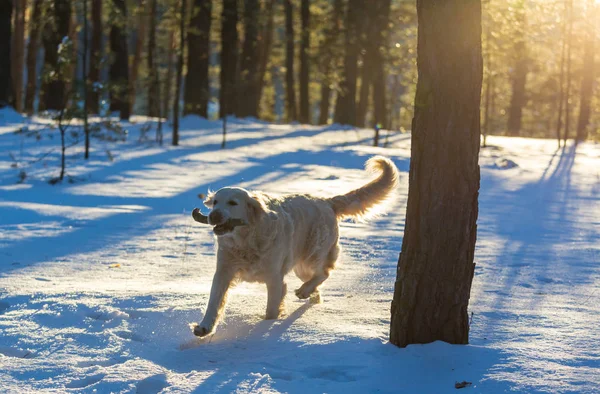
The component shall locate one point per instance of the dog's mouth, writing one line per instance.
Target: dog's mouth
(222, 229)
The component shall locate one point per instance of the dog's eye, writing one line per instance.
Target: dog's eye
(232, 203)
(214, 202)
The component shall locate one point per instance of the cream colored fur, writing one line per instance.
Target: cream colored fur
(295, 232)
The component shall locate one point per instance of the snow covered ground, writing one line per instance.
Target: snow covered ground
(101, 278)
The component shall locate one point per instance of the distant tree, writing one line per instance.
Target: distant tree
(569, 61)
(561, 94)
(119, 69)
(379, 43)
(169, 77)
(35, 27)
(179, 76)
(519, 73)
(140, 40)
(345, 110)
(95, 57)
(6, 10)
(435, 268)
(84, 78)
(154, 85)
(265, 46)
(57, 28)
(18, 52)
(304, 115)
(290, 88)
(197, 91)
(229, 58)
(587, 81)
(249, 62)
(328, 54)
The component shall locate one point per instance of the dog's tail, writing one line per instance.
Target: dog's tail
(362, 202)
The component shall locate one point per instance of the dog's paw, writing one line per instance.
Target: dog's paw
(315, 298)
(302, 293)
(202, 331)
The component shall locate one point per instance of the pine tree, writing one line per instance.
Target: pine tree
(197, 93)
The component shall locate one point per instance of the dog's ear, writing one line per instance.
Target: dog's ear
(208, 201)
(258, 209)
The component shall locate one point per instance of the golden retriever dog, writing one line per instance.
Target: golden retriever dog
(295, 232)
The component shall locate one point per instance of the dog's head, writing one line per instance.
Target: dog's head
(236, 203)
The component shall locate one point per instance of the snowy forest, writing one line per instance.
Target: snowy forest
(299, 196)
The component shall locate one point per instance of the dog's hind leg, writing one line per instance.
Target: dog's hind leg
(310, 288)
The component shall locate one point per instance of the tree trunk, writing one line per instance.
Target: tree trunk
(345, 110)
(382, 18)
(229, 58)
(85, 80)
(569, 76)
(303, 77)
(561, 94)
(54, 93)
(519, 76)
(435, 268)
(178, 77)
(366, 74)
(328, 54)
(153, 109)
(95, 57)
(137, 55)
(18, 53)
(587, 81)
(119, 69)
(248, 85)
(289, 62)
(6, 9)
(197, 91)
(35, 23)
(265, 45)
(169, 76)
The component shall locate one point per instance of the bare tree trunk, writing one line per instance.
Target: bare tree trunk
(366, 74)
(345, 110)
(119, 69)
(265, 45)
(153, 109)
(142, 19)
(328, 55)
(519, 74)
(435, 268)
(587, 82)
(84, 78)
(95, 57)
(229, 58)
(289, 62)
(18, 53)
(54, 91)
(379, 76)
(169, 76)
(178, 78)
(6, 10)
(35, 23)
(569, 76)
(303, 78)
(561, 94)
(249, 62)
(197, 91)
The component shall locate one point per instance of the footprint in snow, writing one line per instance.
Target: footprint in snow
(7, 351)
(130, 336)
(85, 382)
(152, 384)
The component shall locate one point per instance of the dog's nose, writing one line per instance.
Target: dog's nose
(216, 217)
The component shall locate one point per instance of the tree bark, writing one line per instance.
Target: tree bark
(6, 9)
(303, 77)
(53, 95)
(569, 75)
(328, 54)
(345, 110)
(249, 62)
(229, 58)
(197, 91)
(587, 81)
(153, 109)
(290, 87)
(178, 77)
(435, 268)
(561, 94)
(119, 69)
(169, 76)
(142, 19)
(95, 57)
(18, 53)
(519, 76)
(35, 25)
(265, 44)
(382, 18)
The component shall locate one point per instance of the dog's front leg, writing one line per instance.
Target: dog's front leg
(216, 303)
(276, 289)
